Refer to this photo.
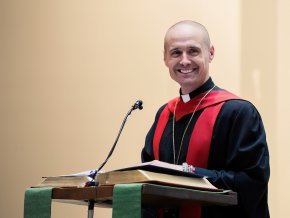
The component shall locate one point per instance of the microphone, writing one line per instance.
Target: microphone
(138, 105)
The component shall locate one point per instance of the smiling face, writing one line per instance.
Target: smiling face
(187, 54)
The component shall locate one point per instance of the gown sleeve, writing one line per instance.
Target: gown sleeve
(239, 157)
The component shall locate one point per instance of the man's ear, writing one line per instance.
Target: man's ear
(164, 58)
(211, 53)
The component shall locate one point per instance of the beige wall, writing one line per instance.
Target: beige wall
(283, 107)
(70, 70)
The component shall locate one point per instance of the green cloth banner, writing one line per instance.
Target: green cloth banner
(37, 203)
(127, 200)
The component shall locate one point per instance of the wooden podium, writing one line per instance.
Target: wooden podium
(152, 195)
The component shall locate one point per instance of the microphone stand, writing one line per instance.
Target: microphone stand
(91, 203)
(138, 105)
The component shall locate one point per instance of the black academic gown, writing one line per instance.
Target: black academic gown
(238, 158)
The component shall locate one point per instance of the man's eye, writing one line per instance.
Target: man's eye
(193, 51)
(175, 53)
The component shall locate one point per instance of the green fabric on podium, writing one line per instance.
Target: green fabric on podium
(127, 200)
(37, 203)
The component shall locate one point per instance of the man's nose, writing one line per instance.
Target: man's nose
(184, 60)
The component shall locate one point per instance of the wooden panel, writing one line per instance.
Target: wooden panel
(152, 195)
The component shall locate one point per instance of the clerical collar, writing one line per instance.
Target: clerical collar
(206, 86)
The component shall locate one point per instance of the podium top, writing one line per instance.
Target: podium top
(152, 195)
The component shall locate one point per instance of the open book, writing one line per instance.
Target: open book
(149, 172)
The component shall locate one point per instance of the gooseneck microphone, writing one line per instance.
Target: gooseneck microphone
(138, 105)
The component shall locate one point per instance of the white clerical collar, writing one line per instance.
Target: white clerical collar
(185, 98)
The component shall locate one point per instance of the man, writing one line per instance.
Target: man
(219, 134)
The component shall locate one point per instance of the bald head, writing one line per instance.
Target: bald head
(187, 54)
(186, 27)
